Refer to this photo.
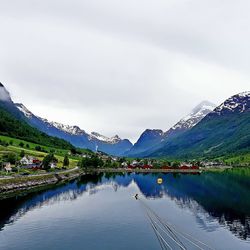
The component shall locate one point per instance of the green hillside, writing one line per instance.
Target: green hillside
(212, 137)
(10, 126)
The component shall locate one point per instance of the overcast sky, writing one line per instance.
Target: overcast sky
(119, 67)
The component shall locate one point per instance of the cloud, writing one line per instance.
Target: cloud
(119, 67)
(4, 94)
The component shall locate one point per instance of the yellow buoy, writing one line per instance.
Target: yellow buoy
(159, 180)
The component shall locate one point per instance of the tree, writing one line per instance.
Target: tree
(39, 148)
(73, 151)
(94, 161)
(22, 153)
(47, 160)
(21, 144)
(66, 161)
(27, 146)
(11, 158)
(156, 165)
(15, 128)
(175, 164)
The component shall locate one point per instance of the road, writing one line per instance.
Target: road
(32, 175)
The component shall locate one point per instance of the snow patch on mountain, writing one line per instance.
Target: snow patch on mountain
(24, 110)
(197, 114)
(97, 136)
(73, 130)
(236, 104)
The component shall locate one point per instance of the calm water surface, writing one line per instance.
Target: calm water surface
(99, 212)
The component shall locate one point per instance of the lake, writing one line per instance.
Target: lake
(99, 211)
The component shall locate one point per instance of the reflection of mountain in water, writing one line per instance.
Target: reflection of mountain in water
(210, 196)
(220, 196)
(14, 208)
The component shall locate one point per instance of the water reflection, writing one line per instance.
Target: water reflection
(211, 197)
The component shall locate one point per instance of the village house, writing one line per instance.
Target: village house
(211, 164)
(134, 163)
(28, 162)
(114, 159)
(53, 165)
(186, 164)
(124, 165)
(105, 157)
(7, 167)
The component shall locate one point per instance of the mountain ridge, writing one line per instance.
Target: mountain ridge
(77, 136)
(225, 130)
(150, 139)
(73, 134)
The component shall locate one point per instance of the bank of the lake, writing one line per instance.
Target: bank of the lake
(139, 170)
(21, 185)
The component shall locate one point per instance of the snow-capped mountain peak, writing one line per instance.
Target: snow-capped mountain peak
(235, 104)
(196, 115)
(24, 110)
(72, 130)
(97, 136)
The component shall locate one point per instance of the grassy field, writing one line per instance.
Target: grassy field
(237, 159)
(14, 147)
(16, 142)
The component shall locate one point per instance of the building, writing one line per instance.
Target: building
(7, 167)
(124, 164)
(135, 163)
(53, 165)
(28, 162)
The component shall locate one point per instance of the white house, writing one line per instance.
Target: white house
(186, 164)
(124, 164)
(26, 160)
(7, 167)
(135, 163)
(53, 165)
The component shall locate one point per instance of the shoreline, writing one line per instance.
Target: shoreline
(119, 170)
(14, 186)
(23, 185)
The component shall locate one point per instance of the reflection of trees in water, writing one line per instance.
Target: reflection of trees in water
(209, 196)
(14, 208)
(240, 227)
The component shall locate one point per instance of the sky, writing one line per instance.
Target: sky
(120, 67)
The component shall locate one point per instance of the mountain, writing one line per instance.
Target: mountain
(188, 122)
(72, 134)
(13, 124)
(96, 136)
(75, 135)
(236, 104)
(223, 131)
(7, 104)
(151, 139)
(148, 139)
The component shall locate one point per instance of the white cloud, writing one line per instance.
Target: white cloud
(119, 67)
